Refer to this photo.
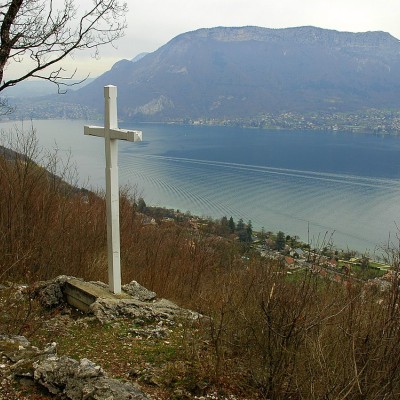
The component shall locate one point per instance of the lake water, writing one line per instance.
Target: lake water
(340, 183)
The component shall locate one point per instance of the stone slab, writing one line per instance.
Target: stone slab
(82, 294)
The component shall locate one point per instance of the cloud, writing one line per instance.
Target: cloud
(153, 23)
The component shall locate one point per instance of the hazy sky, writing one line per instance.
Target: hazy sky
(152, 23)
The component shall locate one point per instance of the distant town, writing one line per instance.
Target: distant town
(31, 109)
(369, 121)
(290, 252)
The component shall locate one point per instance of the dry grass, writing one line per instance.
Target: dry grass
(268, 337)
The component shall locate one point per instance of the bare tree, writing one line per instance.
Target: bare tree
(39, 34)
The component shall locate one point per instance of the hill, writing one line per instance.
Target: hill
(38, 87)
(263, 322)
(248, 71)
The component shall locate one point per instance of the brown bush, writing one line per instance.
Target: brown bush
(268, 336)
(47, 226)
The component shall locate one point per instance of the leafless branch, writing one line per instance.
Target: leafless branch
(39, 31)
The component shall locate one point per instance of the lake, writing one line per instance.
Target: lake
(303, 183)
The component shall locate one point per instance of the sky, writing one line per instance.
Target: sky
(152, 23)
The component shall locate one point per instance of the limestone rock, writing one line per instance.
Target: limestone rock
(18, 340)
(51, 296)
(135, 302)
(21, 355)
(50, 292)
(61, 376)
(82, 380)
(160, 310)
(139, 292)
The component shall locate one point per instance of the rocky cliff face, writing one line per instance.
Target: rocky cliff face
(247, 71)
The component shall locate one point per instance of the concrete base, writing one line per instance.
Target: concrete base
(81, 295)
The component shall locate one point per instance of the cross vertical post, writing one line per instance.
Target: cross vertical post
(111, 134)
(112, 189)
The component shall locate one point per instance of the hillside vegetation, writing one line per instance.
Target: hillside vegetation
(264, 335)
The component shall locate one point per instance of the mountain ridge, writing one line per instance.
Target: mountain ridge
(241, 72)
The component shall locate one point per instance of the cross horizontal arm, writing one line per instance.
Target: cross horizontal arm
(125, 134)
(93, 130)
(121, 134)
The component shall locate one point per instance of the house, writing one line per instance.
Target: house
(297, 253)
(289, 261)
(146, 220)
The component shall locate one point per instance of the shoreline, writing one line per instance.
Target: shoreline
(370, 121)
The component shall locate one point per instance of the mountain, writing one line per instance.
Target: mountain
(40, 87)
(139, 57)
(247, 71)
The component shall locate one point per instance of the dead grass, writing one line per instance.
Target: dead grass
(267, 337)
(155, 356)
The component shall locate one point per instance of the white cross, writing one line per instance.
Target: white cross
(111, 134)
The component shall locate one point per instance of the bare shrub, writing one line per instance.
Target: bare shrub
(266, 335)
(47, 225)
(308, 339)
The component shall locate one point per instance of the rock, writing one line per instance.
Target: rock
(82, 380)
(137, 303)
(18, 340)
(181, 394)
(61, 376)
(109, 309)
(51, 296)
(50, 293)
(138, 291)
(54, 373)
(150, 332)
(20, 355)
(50, 348)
